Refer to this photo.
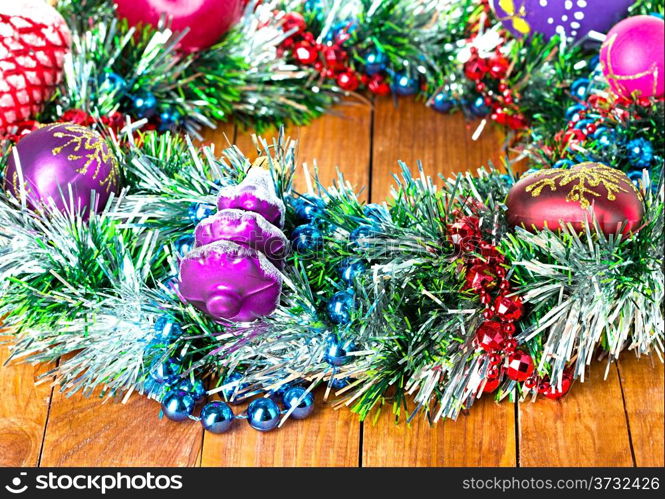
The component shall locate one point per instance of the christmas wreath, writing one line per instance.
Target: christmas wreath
(144, 263)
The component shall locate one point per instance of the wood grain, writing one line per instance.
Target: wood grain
(328, 437)
(88, 432)
(585, 428)
(642, 385)
(23, 412)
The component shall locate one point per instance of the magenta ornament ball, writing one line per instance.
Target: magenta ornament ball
(632, 57)
(57, 156)
(207, 20)
(569, 18)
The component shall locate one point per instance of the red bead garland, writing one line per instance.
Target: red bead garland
(486, 276)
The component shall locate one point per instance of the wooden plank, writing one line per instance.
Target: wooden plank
(328, 437)
(585, 428)
(23, 412)
(86, 432)
(486, 436)
(642, 385)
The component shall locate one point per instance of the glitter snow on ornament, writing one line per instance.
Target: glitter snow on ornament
(34, 40)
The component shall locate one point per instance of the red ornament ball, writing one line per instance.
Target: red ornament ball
(552, 197)
(553, 392)
(207, 20)
(633, 57)
(492, 384)
(305, 53)
(34, 39)
(378, 85)
(520, 366)
(508, 308)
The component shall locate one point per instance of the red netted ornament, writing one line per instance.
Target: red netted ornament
(34, 39)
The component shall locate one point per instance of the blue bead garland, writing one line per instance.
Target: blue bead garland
(184, 244)
(478, 107)
(350, 269)
(359, 236)
(113, 82)
(195, 388)
(308, 208)
(165, 371)
(337, 352)
(640, 153)
(200, 211)
(580, 88)
(563, 163)
(167, 328)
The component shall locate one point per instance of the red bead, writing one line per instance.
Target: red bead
(77, 116)
(294, 20)
(520, 366)
(488, 314)
(508, 308)
(479, 277)
(503, 87)
(508, 328)
(475, 69)
(516, 122)
(531, 382)
(480, 86)
(495, 358)
(509, 345)
(493, 372)
(554, 393)
(305, 53)
(491, 384)
(498, 66)
(348, 80)
(335, 58)
(378, 85)
(489, 336)
(466, 230)
(499, 115)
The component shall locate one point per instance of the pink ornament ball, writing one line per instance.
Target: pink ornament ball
(632, 57)
(207, 20)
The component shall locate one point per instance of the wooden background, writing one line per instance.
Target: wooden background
(612, 422)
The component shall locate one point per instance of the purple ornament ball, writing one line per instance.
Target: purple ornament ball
(632, 57)
(57, 156)
(230, 282)
(569, 18)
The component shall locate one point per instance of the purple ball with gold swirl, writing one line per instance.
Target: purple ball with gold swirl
(568, 18)
(57, 157)
(231, 282)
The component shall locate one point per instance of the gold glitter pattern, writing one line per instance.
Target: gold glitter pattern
(89, 146)
(589, 179)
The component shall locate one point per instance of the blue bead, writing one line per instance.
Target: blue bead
(640, 153)
(337, 352)
(635, 177)
(376, 212)
(507, 179)
(404, 84)
(582, 124)
(341, 306)
(478, 107)
(167, 328)
(563, 163)
(375, 62)
(580, 87)
(339, 383)
(178, 405)
(113, 82)
(165, 371)
(359, 236)
(303, 402)
(350, 269)
(308, 208)
(200, 211)
(217, 417)
(306, 238)
(233, 392)
(144, 104)
(443, 103)
(184, 244)
(263, 414)
(196, 389)
(605, 136)
(168, 118)
(573, 112)
(530, 171)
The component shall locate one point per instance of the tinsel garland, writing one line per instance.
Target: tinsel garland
(379, 302)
